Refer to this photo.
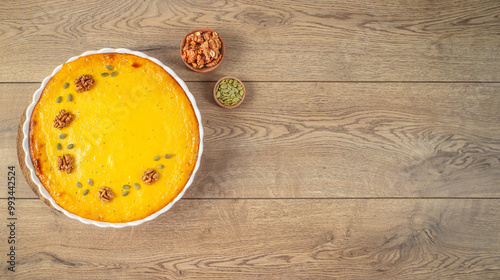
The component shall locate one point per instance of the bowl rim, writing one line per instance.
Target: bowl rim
(235, 105)
(45, 193)
(206, 69)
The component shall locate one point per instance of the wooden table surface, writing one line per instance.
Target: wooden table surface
(368, 146)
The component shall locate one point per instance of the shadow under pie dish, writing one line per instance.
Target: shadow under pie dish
(113, 138)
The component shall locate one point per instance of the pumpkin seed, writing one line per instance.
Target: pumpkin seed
(157, 158)
(78, 184)
(109, 67)
(59, 147)
(223, 86)
(160, 166)
(70, 97)
(66, 85)
(59, 99)
(104, 74)
(70, 146)
(124, 193)
(136, 186)
(90, 182)
(113, 74)
(126, 187)
(62, 136)
(85, 192)
(168, 156)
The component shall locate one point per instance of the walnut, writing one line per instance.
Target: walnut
(63, 119)
(65, 163)
(189, 39)
(150, 176)
(198, 38)
(191, 56)
(105, 194)
(206, 50)
(212, 63)
(84, 83)
(206, 36)
(216, 38)
(200, 61)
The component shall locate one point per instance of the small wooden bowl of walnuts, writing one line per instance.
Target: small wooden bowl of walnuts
(202, 50)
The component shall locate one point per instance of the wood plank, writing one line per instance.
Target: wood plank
(292, 140)
(14, 98)
(278, 41)
(268, 239)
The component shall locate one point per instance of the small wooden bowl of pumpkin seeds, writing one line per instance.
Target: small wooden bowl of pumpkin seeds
(229, 92)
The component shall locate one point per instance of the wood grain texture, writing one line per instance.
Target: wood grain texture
(269, 239)
(368, 146)
(299, 140)
(278, 41)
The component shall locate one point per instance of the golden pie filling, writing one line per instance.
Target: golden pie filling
(113, 138)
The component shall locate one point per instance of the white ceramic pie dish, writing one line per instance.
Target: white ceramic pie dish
(45, 193)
